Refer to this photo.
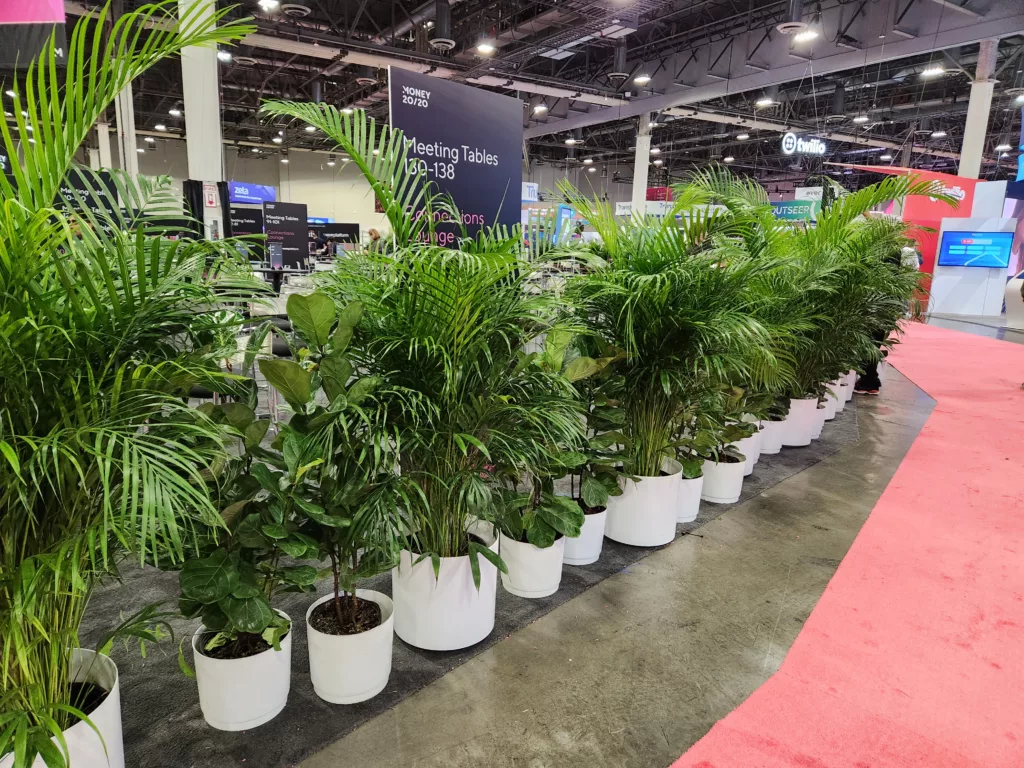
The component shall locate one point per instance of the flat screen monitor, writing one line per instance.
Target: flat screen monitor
(975, 249)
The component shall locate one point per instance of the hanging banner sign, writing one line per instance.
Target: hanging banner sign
(248, 221)
(25, 29)
(468, 141)
(792, 144)
(253, 194)
(287, 234)
(808, 193)
(796, 210)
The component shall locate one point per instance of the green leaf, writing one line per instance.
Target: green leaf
(209, 579)
(214, 618)
(350, 315)
(341, 339)
(581, 368)
(249, 532)
(312, 316)
(474, 566)
(275, 531)
(189, 609)
(293, 451)
(362, 388)
(238, 415)
(255, 432)
(541, 534)
(593, 492)
(183, 665)
(251, 614)
(319, 515)
(230, 512)
(562, 514)
(11, 456)
(244, 591)
(335, 373)
(666, 383)
(290, 379)
(490, 555)
(555, 344)
(300, 576)
(293, 548)
(268, 480)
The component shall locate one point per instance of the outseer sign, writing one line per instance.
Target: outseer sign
(792, 144)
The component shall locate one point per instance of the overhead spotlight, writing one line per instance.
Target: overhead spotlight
(11, 93)
(764, 101)
(224, 56)
(141, 151)
(149, 140)
(861, 119)
(540, 109)
(330, 161)
(31, 141)
(1020, 98)
(174, 112)
(347, 111)
(310, 129)
(485, 48)
(742, 136)
(591, 169)
(1004, 154)
(806, 35)
(653, 124)
(254, 150)
(1003, 148)
(655, 150)
(938, 134)
(284, 160)
(933, 70)
(159, 127)
(885, 157)
(277, 140)
(588, 161)
(642, 79)
(657, 162)
(269, 6)
(729, 159)
(376, 151)
(571, 141)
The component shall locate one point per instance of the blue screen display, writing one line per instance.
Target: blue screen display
(975, 249)
(254, 194)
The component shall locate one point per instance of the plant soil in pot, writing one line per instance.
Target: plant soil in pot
(532, 571)
(689, 498)
(447, 612)
(723, 480)
(645, 514)
(96, 690)
(586, 548)
(771, 436)
(350, 660)
(800, 422)
(236, 694)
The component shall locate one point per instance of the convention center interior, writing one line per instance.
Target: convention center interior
(511, 383)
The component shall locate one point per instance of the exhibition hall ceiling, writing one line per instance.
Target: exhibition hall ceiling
(717, 79)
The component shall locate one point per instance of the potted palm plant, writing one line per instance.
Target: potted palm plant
(99, 455)
(446, 324)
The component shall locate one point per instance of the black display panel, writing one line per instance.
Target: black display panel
(285, 224)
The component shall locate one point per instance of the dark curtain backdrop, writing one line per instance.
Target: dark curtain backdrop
(225, 206)
(193, 191)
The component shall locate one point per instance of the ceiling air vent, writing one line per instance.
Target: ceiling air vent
(296, 8)
(441, 33)
(795, 19)
(248, 61)
(619, 70)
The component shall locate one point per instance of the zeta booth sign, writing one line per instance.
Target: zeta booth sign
(468, 141)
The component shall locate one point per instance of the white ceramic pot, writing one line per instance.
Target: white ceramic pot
(586, 548)
(845, 393)
(239, 694)
(85, 748)
(800, 422)
(723, 483)
(448, 612)
(532, 571)
(771, 436)
(689, 498)
(831, 400)
(851, 379)
(645, 514)
(819, 421)
(750, 447)
(347, 669)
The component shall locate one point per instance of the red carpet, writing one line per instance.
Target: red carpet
(914, 656)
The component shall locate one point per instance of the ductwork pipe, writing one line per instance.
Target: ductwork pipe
(418, 16)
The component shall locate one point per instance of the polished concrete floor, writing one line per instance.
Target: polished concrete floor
(635, 670)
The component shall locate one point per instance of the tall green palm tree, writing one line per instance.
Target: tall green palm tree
(104, 327)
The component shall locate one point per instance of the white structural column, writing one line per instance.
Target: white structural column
(641, 164)
(126, 143)
(201, 77)
(978, 110)
(100, 157)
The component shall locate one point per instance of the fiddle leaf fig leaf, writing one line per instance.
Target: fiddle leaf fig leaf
(593, 492)
(362, 388)
(541, 534)
(209, 579)
(313, 316)
(251, 614)
(562, 514)
(581, 368)
(255, 432)
(350, 315)
(290, 379)
(238, 415)
(335, 373)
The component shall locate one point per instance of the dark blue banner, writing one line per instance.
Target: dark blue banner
(241, 192)
(467, 140)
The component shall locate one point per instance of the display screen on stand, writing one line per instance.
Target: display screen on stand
(989, 250)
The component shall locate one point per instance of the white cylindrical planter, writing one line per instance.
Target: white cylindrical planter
(645, 514)
(689, 498)
(346, 669)
(532, 571)
(586, 548)
(832, 396)
(85, 748)
(771, 436)
(238, 694)
(750, 447)
(800, 422)
(448, 612)
(819, 422)
(851, 380)
(845, 393)
(723, 483)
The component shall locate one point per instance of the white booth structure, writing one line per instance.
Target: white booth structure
(970, 266)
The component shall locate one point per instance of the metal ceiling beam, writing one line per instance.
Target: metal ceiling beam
(936, 31)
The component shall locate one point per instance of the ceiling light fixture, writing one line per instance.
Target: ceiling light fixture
(764, 101)
(11, 93)
(330, 161)
(1020, 98)
(174, 112)
(347, 111)
(540, 109)
(1003, 148)
(861, 119)
(591, 169)
(729, 159)
(141, 151)
(653, 124)
(159, 127)
(806, 35)
(938, 134)
(657, 162)
(284, 160)
(376, 151)
(269, 5)
(310, 129)
(588, 161)
(885, 157)
(643, 79)
(485, 48)
(572, 141)
(277, 140)
(149, 140)
(655, 150)
(224, 56)
(1004, 154)
(742, 136)
(933, 70)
